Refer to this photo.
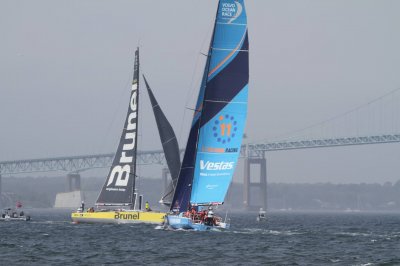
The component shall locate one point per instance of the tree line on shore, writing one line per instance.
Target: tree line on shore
(40, 192)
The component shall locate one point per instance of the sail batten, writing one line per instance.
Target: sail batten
(118, 189)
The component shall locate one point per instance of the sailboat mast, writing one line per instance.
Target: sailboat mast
(204, 82)
(119, 186)
(135, 85)
(181, 197)
(205, 77)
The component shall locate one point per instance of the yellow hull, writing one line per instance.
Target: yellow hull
(118, 217)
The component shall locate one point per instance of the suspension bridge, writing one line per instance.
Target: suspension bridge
(376, 122)
(76, 164)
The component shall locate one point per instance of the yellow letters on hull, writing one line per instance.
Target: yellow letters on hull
(118, 217)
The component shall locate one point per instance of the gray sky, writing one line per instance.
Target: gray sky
(66, 67)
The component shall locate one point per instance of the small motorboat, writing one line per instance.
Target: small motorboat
(14, 215)
(261, 215)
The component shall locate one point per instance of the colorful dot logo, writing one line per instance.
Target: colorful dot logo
(225, 128)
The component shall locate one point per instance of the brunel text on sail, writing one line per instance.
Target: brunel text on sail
(123, 170)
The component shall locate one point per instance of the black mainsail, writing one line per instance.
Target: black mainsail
(119, 187)
(169, 144)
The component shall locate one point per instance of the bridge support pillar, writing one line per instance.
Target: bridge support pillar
(73, 182)
(1, 203)
(248, 184)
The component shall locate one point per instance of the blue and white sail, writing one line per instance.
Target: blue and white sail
(218, 125)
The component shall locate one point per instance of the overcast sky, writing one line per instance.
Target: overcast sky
(66, 68)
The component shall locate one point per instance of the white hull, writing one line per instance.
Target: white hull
(11, 215)
(15, 219)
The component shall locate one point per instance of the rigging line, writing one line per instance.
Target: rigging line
(337, 116)
(190, 92)
(116, 111)
(165, 142)
(124, 90)
(138, 179)
(188, 96)
(192, 109)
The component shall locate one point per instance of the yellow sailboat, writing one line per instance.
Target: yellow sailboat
(118, 202)
(115, 216)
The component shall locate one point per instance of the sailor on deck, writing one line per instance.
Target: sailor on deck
(210, 218)
(147, 206)
(82, 208)
(193, 213)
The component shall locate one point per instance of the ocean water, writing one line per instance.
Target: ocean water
(285, 239)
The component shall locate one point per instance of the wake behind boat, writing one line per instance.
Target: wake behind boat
(118, 201)
(217, 130)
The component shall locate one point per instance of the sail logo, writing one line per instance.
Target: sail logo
(231, 10)
(219, 150)
(225, 128)
(211, 187)
(122, 170)
(127, 216)
(215, 166)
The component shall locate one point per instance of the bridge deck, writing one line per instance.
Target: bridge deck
(84, 162)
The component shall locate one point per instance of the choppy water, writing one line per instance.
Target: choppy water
(285, 239)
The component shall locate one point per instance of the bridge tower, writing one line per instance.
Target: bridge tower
(73, 182)
(0, 192)
(249, 195)
(73, 195)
